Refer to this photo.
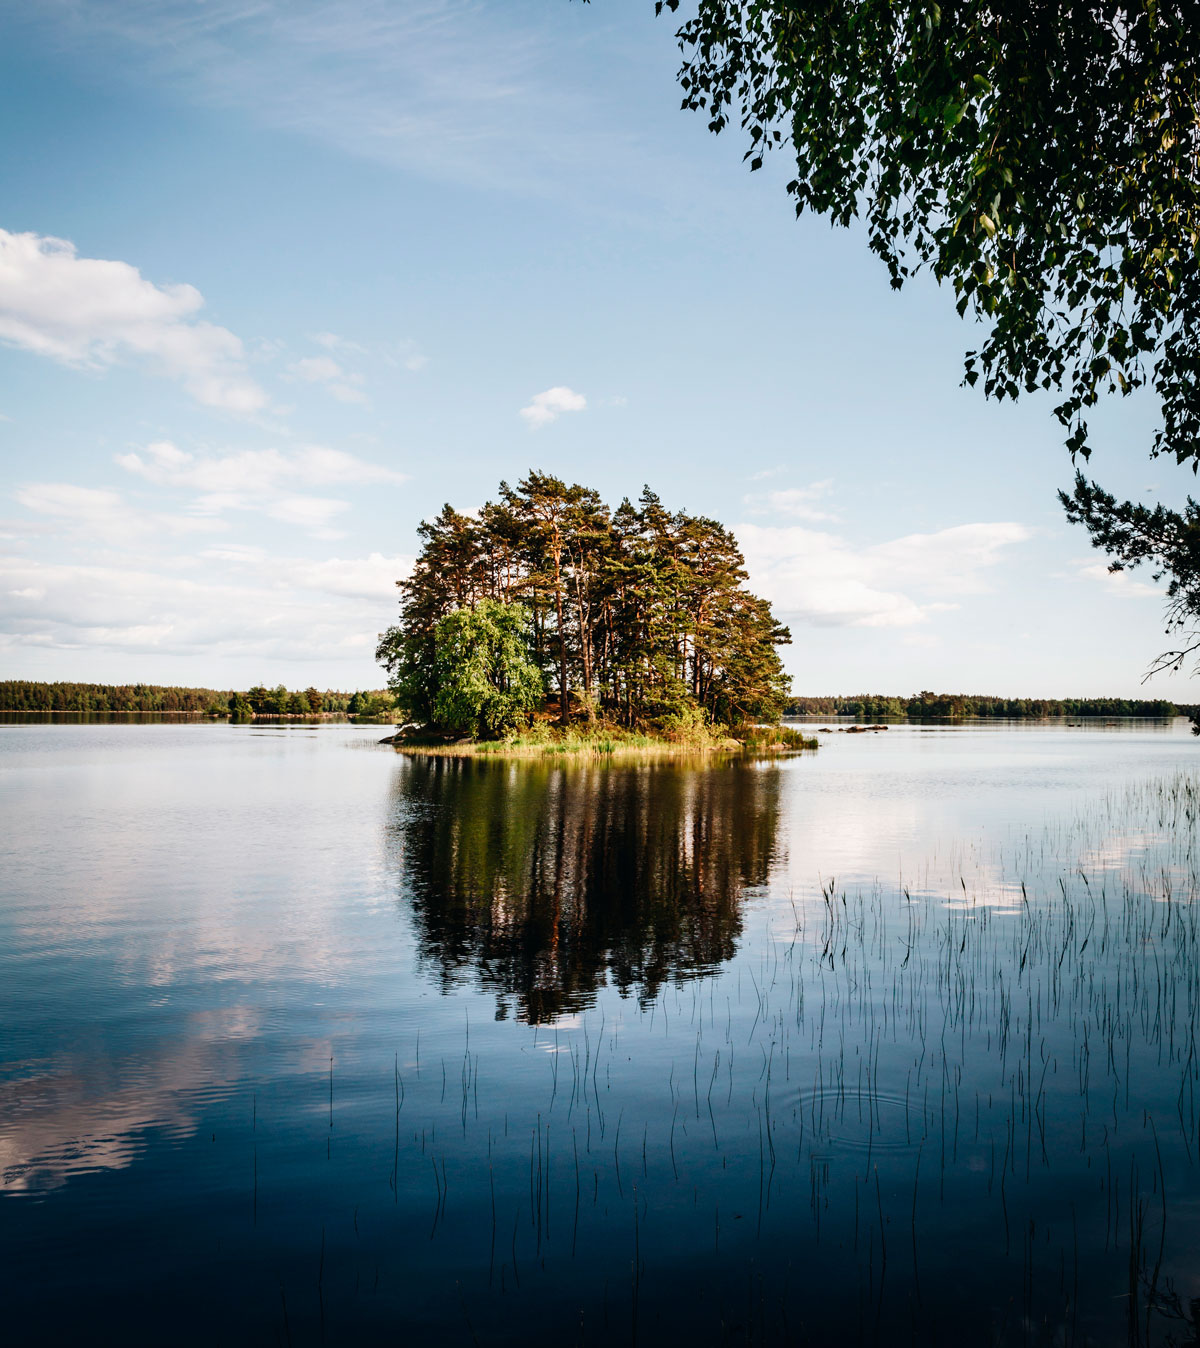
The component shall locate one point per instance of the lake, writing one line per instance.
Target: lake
(306, 1042)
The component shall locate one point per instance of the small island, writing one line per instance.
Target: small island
(547, 623)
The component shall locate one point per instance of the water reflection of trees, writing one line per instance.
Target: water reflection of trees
(544, 881)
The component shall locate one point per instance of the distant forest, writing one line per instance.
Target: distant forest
(29, 696)
(928, 706)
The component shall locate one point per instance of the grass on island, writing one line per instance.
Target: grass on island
(546, 739)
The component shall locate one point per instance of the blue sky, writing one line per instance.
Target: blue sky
(278, 279)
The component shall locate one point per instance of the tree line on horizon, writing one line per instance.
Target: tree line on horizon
(38, 696)
(955, 706)
(30, 695)
(548, 599)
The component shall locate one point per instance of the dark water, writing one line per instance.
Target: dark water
(304, 1041)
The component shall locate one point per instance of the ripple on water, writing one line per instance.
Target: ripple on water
(859, 1121)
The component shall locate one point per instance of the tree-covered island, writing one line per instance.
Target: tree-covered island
(547, 619)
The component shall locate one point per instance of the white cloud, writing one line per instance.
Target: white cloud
(798, 502)
(950, 560)
(816, 577)
(1120, 583)
(92, 312)
(106, 514)
(238, 480)
(252, 470)
(404, 353)
(332, 342)
(372, 577)
(314, 514)
(545, 407)
(243, 604)
(324, 370)
(64, 498)
(407, 354)
(263, 481)
(317, 464)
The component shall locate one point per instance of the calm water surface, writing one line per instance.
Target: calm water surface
(308, 1042)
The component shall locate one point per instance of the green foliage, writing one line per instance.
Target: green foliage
(31, 696)
(446, 576)
(636, 615)
(954, 706)
(1041, 159)
(371, 706)
(240, 708)
(689, 726)
(487, 680)
(1167, 540)
(775, 737)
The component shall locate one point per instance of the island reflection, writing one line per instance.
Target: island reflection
(544, 882)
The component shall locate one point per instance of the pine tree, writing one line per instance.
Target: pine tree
(637, 614)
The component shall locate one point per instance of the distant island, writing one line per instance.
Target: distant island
(546, 621)
(928, 706)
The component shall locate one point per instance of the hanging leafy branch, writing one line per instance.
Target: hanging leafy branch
(1167, 540)
(1040, 158)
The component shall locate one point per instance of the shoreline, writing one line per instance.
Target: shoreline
(784, 741)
